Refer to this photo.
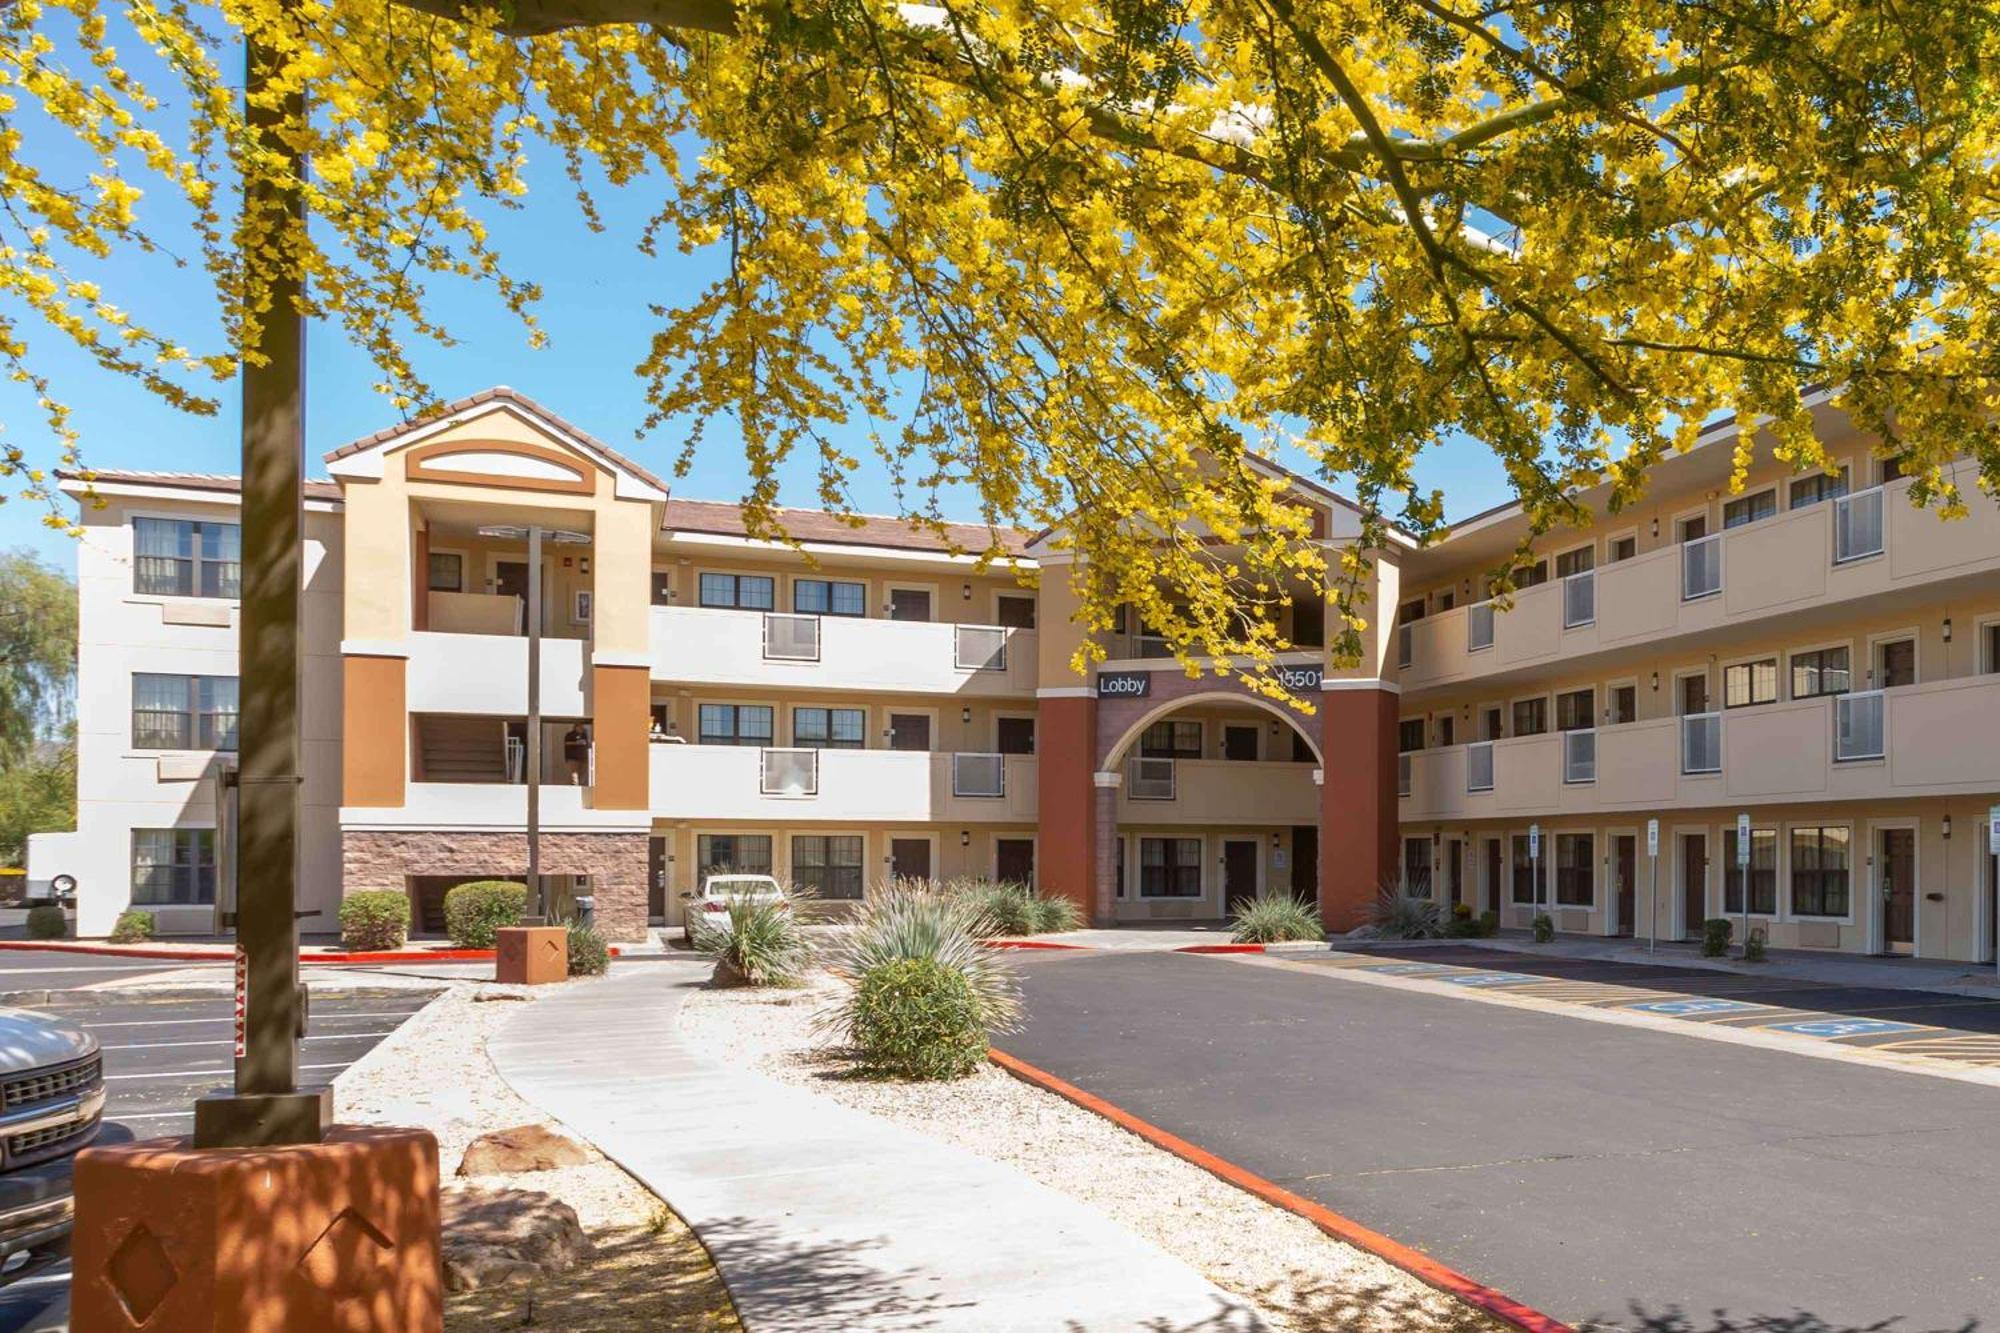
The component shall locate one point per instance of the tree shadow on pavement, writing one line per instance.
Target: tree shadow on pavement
(1673, 1319)
(820, 1285)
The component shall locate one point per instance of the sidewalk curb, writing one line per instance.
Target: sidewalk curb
(1222, 948)
(201, 954)
(1033, 944)
(1412, 1261)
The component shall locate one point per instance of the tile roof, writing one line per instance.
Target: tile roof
(188, 481)
(815, 525)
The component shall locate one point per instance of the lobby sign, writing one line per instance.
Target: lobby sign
(1124, 684)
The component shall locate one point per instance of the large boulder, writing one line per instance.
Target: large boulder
(507, 1152)
(493, 1237)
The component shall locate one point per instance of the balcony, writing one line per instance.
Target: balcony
(486, 805)
(1217, 791)
(784, 786)
(752, 649)
(481, 673)
(1935, 739)
(1868, 545)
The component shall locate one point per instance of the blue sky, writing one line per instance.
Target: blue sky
(597, 290)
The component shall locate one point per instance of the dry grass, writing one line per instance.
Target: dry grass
(644, 1278)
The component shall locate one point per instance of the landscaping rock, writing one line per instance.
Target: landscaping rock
(480, 997)
(492, 1237)
(507, 1152)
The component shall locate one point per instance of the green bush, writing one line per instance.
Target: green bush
(1545, 928)
(1461, 911)
(132, 927)
(1489, 923)
(589, 955)
(1715, 933)
(374, 919)
(474, 910)
(47, 922)
(1396, 916)
(916, 1018)
(1460, 928)
(1008, 908)
(762, 944)
(1272, 918)
(914, 922)
(1753, 946)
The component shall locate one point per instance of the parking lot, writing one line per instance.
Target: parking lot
(162, 1050)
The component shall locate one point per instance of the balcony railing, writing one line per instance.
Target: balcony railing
(790, 638)
(1478, 626)
(1580, 599)
(1479, 766)
(1701, 743)
(789, 773)
(1149, 778)
(1402, 775)
(1857, 525)
(1701, 567)
(980, 648)
(1580, 755)
(1857, 726)
(978, 775)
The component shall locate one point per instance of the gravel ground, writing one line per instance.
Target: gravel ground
(1303, 1279)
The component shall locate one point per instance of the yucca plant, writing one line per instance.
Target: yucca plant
(1015, 909)
(1273, 918)
(762, 943)
(1397, 916)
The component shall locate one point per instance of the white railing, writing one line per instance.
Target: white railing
(1402, 645)
(1701, 567)
(978, 775)
(1403, 775)
(517, 759)
(980, 648)
(1478, 626)
(789, 638)
(1701, 743)
(1580, 599)
(1479, 766)
(789, 773)
(1857, 525)
(1580, 755)
(1857, 725)
(1149, 778)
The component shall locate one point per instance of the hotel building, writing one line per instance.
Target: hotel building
(1813, 654)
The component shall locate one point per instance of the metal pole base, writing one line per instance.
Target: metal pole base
(262, 1120)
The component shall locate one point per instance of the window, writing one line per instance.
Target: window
(1409, 735)
(747, 592)
(1992, 638)
(1416, 867)
(1624, 704)
(828, 597)
(733, 854)
(1014, 735)
(1529, 576)
(1892, 468)
(1531, 716)
(1170, 867)
(1411, 611)
(1308, 622)
(1621, 548)
(446, 572)
(1014, 611)
(183, 712)
(1575, 860)
(1171, 740)
(829, 728)
(1447, 599)
(1819, 486)
(1749, 509)
(1746, 683)
(827, 865)
(1524, 872)
(735, 724)
(1576, 710)
(1763, 873)
(178, 557)
(1581, 560)
(1821, 671)
(173, 867)
(1819, 871)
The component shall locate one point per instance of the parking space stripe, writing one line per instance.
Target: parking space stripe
(224, 1041)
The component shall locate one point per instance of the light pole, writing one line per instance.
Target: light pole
(535, 535)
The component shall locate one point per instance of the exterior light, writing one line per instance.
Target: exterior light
(966, 592)
(965, 715)
(1947, 629)
(965, 837)
(1656, 682)
(1947, 818)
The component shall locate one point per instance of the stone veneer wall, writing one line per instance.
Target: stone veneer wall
(615, 862)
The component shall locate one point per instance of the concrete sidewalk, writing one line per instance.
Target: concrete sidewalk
(821, 1217)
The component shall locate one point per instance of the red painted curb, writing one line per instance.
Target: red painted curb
(199, 954)
(1414, 1262)
(1032, 944)
(1220, 948)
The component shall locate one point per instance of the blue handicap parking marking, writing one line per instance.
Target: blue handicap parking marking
(1490, 978)
(1682, 1008)
(1843, 1027)
(1406, 969)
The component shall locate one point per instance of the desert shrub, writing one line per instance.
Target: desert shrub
(1011, 909)
(47, 922)
(1753, 945)
(1396, 916)
(589, 955)
(916, 1018)
(1715, 933)
(1271, 918)
(474, 910)
(132, 927)
(1545, 927)
(918, 923)
(757, 942)
(1053, 915)
(1460, 928)
(1489, 923)
(1461, 911)
(374, 919)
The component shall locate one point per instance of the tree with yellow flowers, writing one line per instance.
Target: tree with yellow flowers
(1100, 250)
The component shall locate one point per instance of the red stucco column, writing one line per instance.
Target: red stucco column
(1066, 802)
(1357, 799)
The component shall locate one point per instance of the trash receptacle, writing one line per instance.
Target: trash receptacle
(586, 909)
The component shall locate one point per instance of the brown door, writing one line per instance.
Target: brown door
(1454, 874)
(909, 604)
(656, 879)
(1899, 889)
(1239, 743)
(1014, 860)
(1305, 862)
(1694, 884)
(910, 858)
(511, 580)
(1896, 664)
(1239, 869)
(909, 731)
(1628, 897)
(1493, 885)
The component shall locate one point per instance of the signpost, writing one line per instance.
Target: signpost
(1993, 849)
(1535, 863)
(1743, 874)
(1653, 854)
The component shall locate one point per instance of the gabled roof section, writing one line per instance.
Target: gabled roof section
(212, 483)
(635, 482)
(721, 518)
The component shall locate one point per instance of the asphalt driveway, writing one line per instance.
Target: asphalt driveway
(1601, 1173)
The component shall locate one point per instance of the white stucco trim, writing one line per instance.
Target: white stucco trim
(621, 659)
(1066, 692)
(374, 648)
(1329, 686)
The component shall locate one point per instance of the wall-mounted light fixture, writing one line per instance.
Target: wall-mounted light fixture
(1656, 525)
(1656, 682)
(965, 715)
(1947, 629)
(966, 592)
(1947, 826)
(965, 837)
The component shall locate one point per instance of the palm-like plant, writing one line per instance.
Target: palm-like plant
(1397, 916)
(761, 945)
(1274, 918)
(902, 921)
